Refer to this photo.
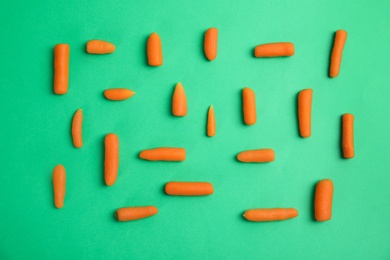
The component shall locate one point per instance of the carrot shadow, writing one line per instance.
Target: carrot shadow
(341, 137)
(296, 115)
(330, 52)
(241, 107)
(103, 182)
(146, 52)
(313, 196)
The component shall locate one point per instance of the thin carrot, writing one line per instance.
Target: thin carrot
(111, 159)
(337, 52)
(304, 112)
(164, 154)
(77, 126)
(348, 136)
(211, 43)
(211, 125)
(249, 106)
(154, 50)
(134, 213)
(276, 49)
(179, 101)
(61, 68)
(100, 47)
(259, 155)
(59, 185)
(323, 200)
(118, 94)
(260, 215)
(189, 188)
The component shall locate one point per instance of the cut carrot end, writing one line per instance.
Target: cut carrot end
(154, 50)
(61, 68)
(59, 185)
(347, 142)
(111, 159)
(100, 47)
(256, 156)
(179, 101)
(304, 112)
(189, 188)
(249, 106)
(277, 49)
(323, 200)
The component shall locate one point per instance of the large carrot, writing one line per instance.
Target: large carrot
(189, 188)
(179, 101)
(100, 47)
(211, 43)
(211, 124)
(61, 68)
(164, 154)
(270, 214)
(59, 185)
(323, 200)
(304, 112)
(111, 158)
(337, 53)
(134, 213)
(154, 50)
(259, 155)
(77, 126)
(118, 94)
(249, 106)
(276, 49)
(347, 136)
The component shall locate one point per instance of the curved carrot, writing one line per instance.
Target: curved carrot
(211, 43)
(77, 126)
(59, 185)
(134, 213)
(179, 101)
(111, 159)
(323, 200)
(304, 112)
(211, 125)
(337, 53)
(259, 155)
(61, 68)
(118, 94)
(154, 50)
(189, 188)
(260, 215)
(164, 154)
(276, 49)
(249, 106)
(347, 136)
(100, 47)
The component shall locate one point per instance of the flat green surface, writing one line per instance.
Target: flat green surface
(35, 130)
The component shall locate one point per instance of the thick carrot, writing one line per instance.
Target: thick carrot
(304, 112)
(337, 53)
(211, 125)
(276, 49)
(118, 94)
(211, 43)
(59, 185)
(249, 106)
(154, 50)
(179, 101)
(259, 155)
(77, 126)
(260, 215)
(61, 68)
(347, 136)
(134, 213)
(100, 47)
(189, 188)
(164, 154)
(323, 200)
(111, 159)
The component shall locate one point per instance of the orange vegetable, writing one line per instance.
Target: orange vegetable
(259, 155)
(337, 53)
(134, 213)
(100, 47)
(179, 101)
(270, 214)
(275, 49)
(249, 106)
(323, 200)
(77, 126)
(118, 94)
(111, 158)
(211, 43)
(189, 188)
(61, 68)
(211, 125)
(347, 136)
(154, 50)
(304, 112)
(164, 154)
(59, 185)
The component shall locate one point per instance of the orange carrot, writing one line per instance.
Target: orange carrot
(189, 188)
(337, 53)
(304, 112)
(61, 68)
(260, 215)
(259, 155)
(211, 43)
(134, 213)
(164, 154)
(111, 158)
(59, 185)
(154, 50)
(118, 94)
(179, 101)
(77, 126)
(211, 125)
(249, 106)
(276, 49)
(347, 136)
(100, 47)
(323, 200)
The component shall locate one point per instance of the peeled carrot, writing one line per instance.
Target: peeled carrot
(211, 43)
(337, 53)
(154, 50)
(61, 68)
(77, 126)
(249, 106)
(323, 200)
(100, 47)
(189, 188)
(111, 158)
(118, 94)
(260, 215)
(164, 154)
(304, 112)
(59, 185)
(347, 136)
(211, 125)
(276, 49)
(134, 213)
(259, 155)
(179, 101)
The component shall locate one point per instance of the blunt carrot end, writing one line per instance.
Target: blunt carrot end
(323, 200)
(118, 94)
(347, 136)
(135, 213)
(304, 112)
(59, 185)
(77, 125)
(337, 53)
(256, 156)
(100, 47)
(154, 50)
(276, 49)
(179, 101)
(61, 68)
(211, 43)
(249, 106)
(111, 159)
(211, 123)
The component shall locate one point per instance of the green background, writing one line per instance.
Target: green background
(35, 130)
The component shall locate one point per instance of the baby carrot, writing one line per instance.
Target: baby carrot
(304, 112)
(337, 53)
(323, 200)
(211, 43)
(189, 188)
(164, 154)
(134, 213)
(259, 155)
(118, 94)
(179, 101)
(100, 47)
(61, 68)
(347, 136)
(211, 126)
(59, 185)
(276, 49)
(111, 159)
(154, 50)
(249, 106)
(77, 126)
(260, 215)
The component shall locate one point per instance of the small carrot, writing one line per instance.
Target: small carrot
(134, 213)
(189, 188)
(259, 215)
(337, 53)
(59, 185)
(61, 68)
(118, 94)
(249, 106)
(179, 101)
(111, 159)
(100, 47)
(347, 136)
(211, 43)
(77, 126)
(164, 154)
(211, 125)
(276, 49)
(259, 155)
(304, 112)
(323, 200)
(154, 50)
